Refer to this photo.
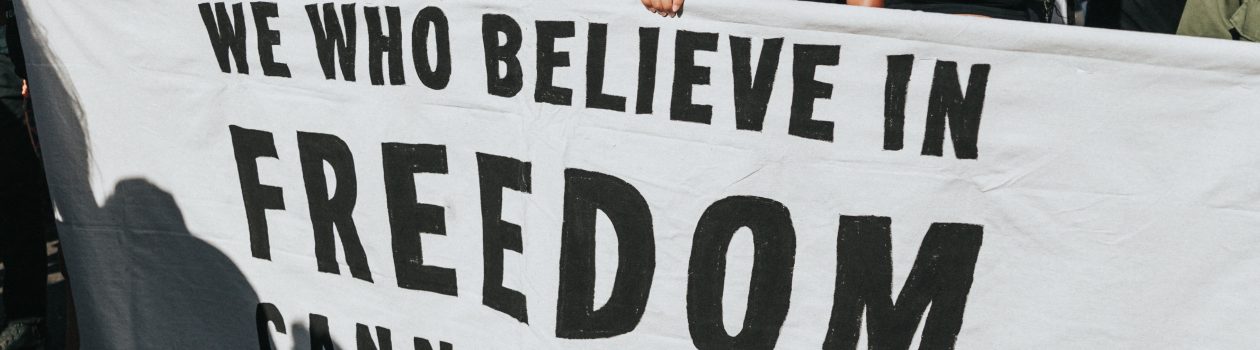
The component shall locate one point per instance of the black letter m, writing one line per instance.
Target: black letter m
(941, 277)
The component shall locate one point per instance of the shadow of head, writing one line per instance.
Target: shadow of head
(145, 282)
(141, 279)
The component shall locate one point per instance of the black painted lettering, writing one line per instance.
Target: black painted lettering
(774, 256)
(496, 174)
(506, 84)
(898, 81)
(320, 339)
(333, 42)
(548, 59)
(941, 277)
(434, 77)
(379, 43)
(248, 145)
(585, 194)
(597, 37)
(649, 39)
(227, 34)
(408, 218)
(805, 90)
(752, 93)
(328, 212)
(265, 314)
(946, 101)
(267, 38)
(363, 338)
(423, 344)
(687, 74)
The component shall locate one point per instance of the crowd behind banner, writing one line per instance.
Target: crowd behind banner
(1223, 19)
(26, 216)
(26, 212)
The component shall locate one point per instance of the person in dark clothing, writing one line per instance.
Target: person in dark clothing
(25, 209)
(865, 3)
(1102, 14)
(1004, 9)
(1152, 16)
(23, 212)
(671, 8)
(1047, 11)
(1221, 19)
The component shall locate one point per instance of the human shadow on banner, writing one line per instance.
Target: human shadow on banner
(140, 279)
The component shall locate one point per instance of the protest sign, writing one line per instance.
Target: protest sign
(585, 175)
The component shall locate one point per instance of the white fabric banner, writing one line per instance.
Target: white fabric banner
(495, 174)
